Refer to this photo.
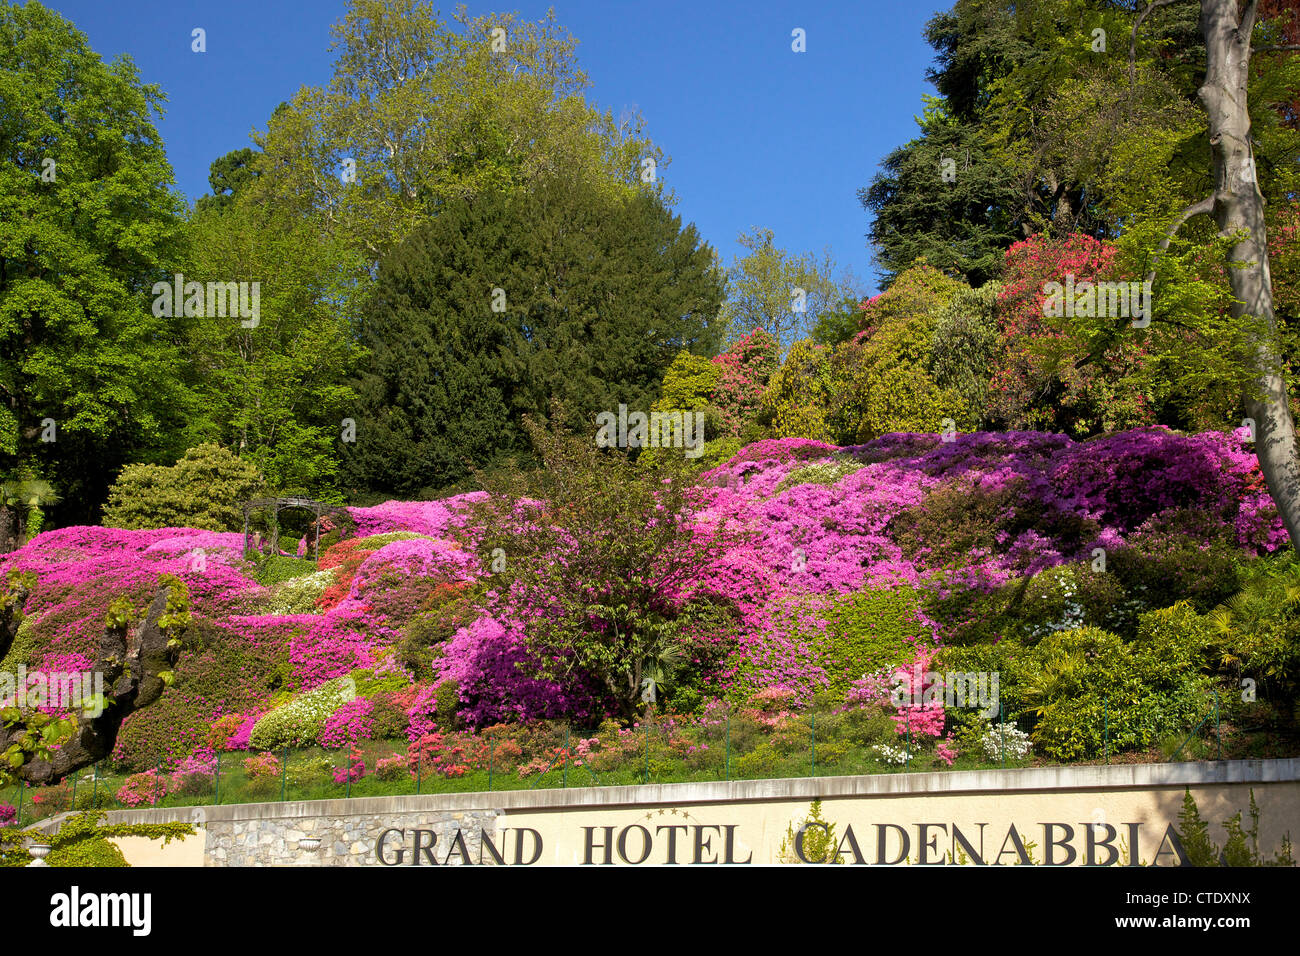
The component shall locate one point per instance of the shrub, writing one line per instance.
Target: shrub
(92, 797)
(897, 755)
(818, 843)
(203, 490)
(308, 771)
(299, 595)
(1007, 741)
(301, 722)
(744, 372)
(760, 762)
(388, 718)
(148, 787)
(871, 630)
(353, 771)
(791, 736)
(607, 564)
(392, 768)
(350, 724)
(1257, 631)
(1184, 554)
(195, 775)
(262, 765)
(51, 800)
(819, 473)
(7, 814)
(866, 726)
(222, 730)
(263, 786)
(1091, 690)
(833, 751)
(1194, 835)
(275, 569)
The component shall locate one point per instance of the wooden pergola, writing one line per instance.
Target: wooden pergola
(275, 505)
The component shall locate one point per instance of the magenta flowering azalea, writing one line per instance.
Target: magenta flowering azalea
(823, 523)
(350, 724)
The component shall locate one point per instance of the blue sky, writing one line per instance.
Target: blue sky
(758, 135)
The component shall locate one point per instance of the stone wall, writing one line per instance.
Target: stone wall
(344, 840)
(1132, 806)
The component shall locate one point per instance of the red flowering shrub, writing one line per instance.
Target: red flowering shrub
(355, 770)
(262, 765)
(1037, 384)
(222, 730)
(439, 754)
(148, 787)
(744, 371)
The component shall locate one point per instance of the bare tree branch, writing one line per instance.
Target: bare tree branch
(1247, 26)
(1133, 40)
(1276, 47)
(1205, 206)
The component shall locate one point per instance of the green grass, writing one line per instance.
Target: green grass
(237, 787)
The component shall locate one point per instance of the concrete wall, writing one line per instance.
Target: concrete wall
(1092, 814)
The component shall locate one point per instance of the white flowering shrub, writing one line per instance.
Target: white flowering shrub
(299, 595)
(1066, 591)
(300, 722)
(1016, 741)
(820, 473)
(888, 754)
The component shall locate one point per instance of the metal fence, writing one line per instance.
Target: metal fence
(734, 746)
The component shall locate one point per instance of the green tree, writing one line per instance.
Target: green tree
(88, 375)
(596, 296)
(943, 197)
(690, 385)
(840, 324)
(425, 113)
(203, 490)
(1041, 125)
(963, 346)
(881, 383)
(798, 398)
(780, 292)
(606, 555)
(228, 175)
(275, 391)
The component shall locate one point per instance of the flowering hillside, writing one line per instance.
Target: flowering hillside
(831, 532)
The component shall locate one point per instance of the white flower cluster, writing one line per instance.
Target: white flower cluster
(820, 473)
(299, 595)
(299, 722)
(888, 754)
(1015, 740)
(1072, 616)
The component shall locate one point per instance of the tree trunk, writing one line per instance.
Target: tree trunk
(9, 538)
(1239, 205)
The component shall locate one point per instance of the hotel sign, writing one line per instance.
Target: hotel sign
(857, 842)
